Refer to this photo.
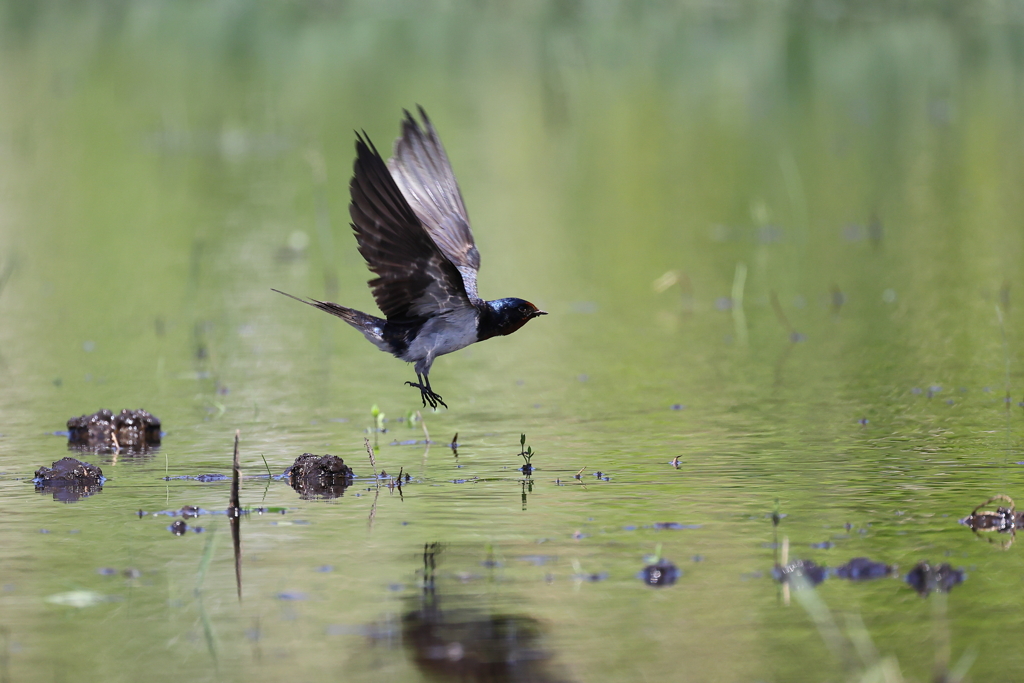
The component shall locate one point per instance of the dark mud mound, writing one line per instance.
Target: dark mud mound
(319, 476)
(69, 480)
(130, 431)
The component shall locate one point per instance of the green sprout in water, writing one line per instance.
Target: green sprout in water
(525, 451)
(378, 418)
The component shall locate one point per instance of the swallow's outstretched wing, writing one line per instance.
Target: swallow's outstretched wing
(420, 167)
(414, 278)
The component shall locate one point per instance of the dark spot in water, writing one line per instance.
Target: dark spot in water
(916, 390)
(677, 406)
(58, 382)
(925, 578)
(863, 569)
(674, 526)
(697, 558)
(862, 421)
(723, 303)
(800, 571)
(950, 402)
(131, 573)
(583, 378)
(629, 527)
(797, 337)
(325, 568)
(591, 578)
(824, 545)
(106, 571)
(44, 531)
(291, 596)
(660, 574)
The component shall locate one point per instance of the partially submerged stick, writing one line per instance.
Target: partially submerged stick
(235, 518)
(235, 476)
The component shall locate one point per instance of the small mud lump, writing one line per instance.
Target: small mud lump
(131, 431)
(319, 476)
(69, 480)
(800, 572)
(925, 578)
(661, 573)
(863, 569)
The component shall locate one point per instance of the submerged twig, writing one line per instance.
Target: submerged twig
(423, 425)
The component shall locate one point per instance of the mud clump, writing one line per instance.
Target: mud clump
(130, 431)
(800, 573)
(926, 578)
(661, 573)
(863, 569)
(69, 480)
(319, 476)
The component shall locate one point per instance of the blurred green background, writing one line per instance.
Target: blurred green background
(780, 218)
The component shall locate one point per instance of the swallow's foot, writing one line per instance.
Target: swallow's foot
(428, 395)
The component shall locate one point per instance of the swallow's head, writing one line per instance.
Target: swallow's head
(511, 314)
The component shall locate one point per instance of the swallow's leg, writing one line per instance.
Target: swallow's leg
(426, 393)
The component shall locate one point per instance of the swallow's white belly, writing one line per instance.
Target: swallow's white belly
(443, 334)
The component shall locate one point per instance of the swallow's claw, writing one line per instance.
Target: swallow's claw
(428, 396)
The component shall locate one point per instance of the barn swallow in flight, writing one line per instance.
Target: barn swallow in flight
(412, 228)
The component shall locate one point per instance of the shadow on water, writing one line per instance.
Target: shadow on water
(451, 640)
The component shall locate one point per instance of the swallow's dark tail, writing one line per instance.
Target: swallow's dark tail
(371, 327)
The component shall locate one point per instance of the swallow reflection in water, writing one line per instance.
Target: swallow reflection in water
(412, 228)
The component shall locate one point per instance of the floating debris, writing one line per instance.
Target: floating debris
(674, 526)
(200, 477)
(661, 573)
(863, 569)
(130, 431)
(319, 476)
(924, 578)
(69, 480)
